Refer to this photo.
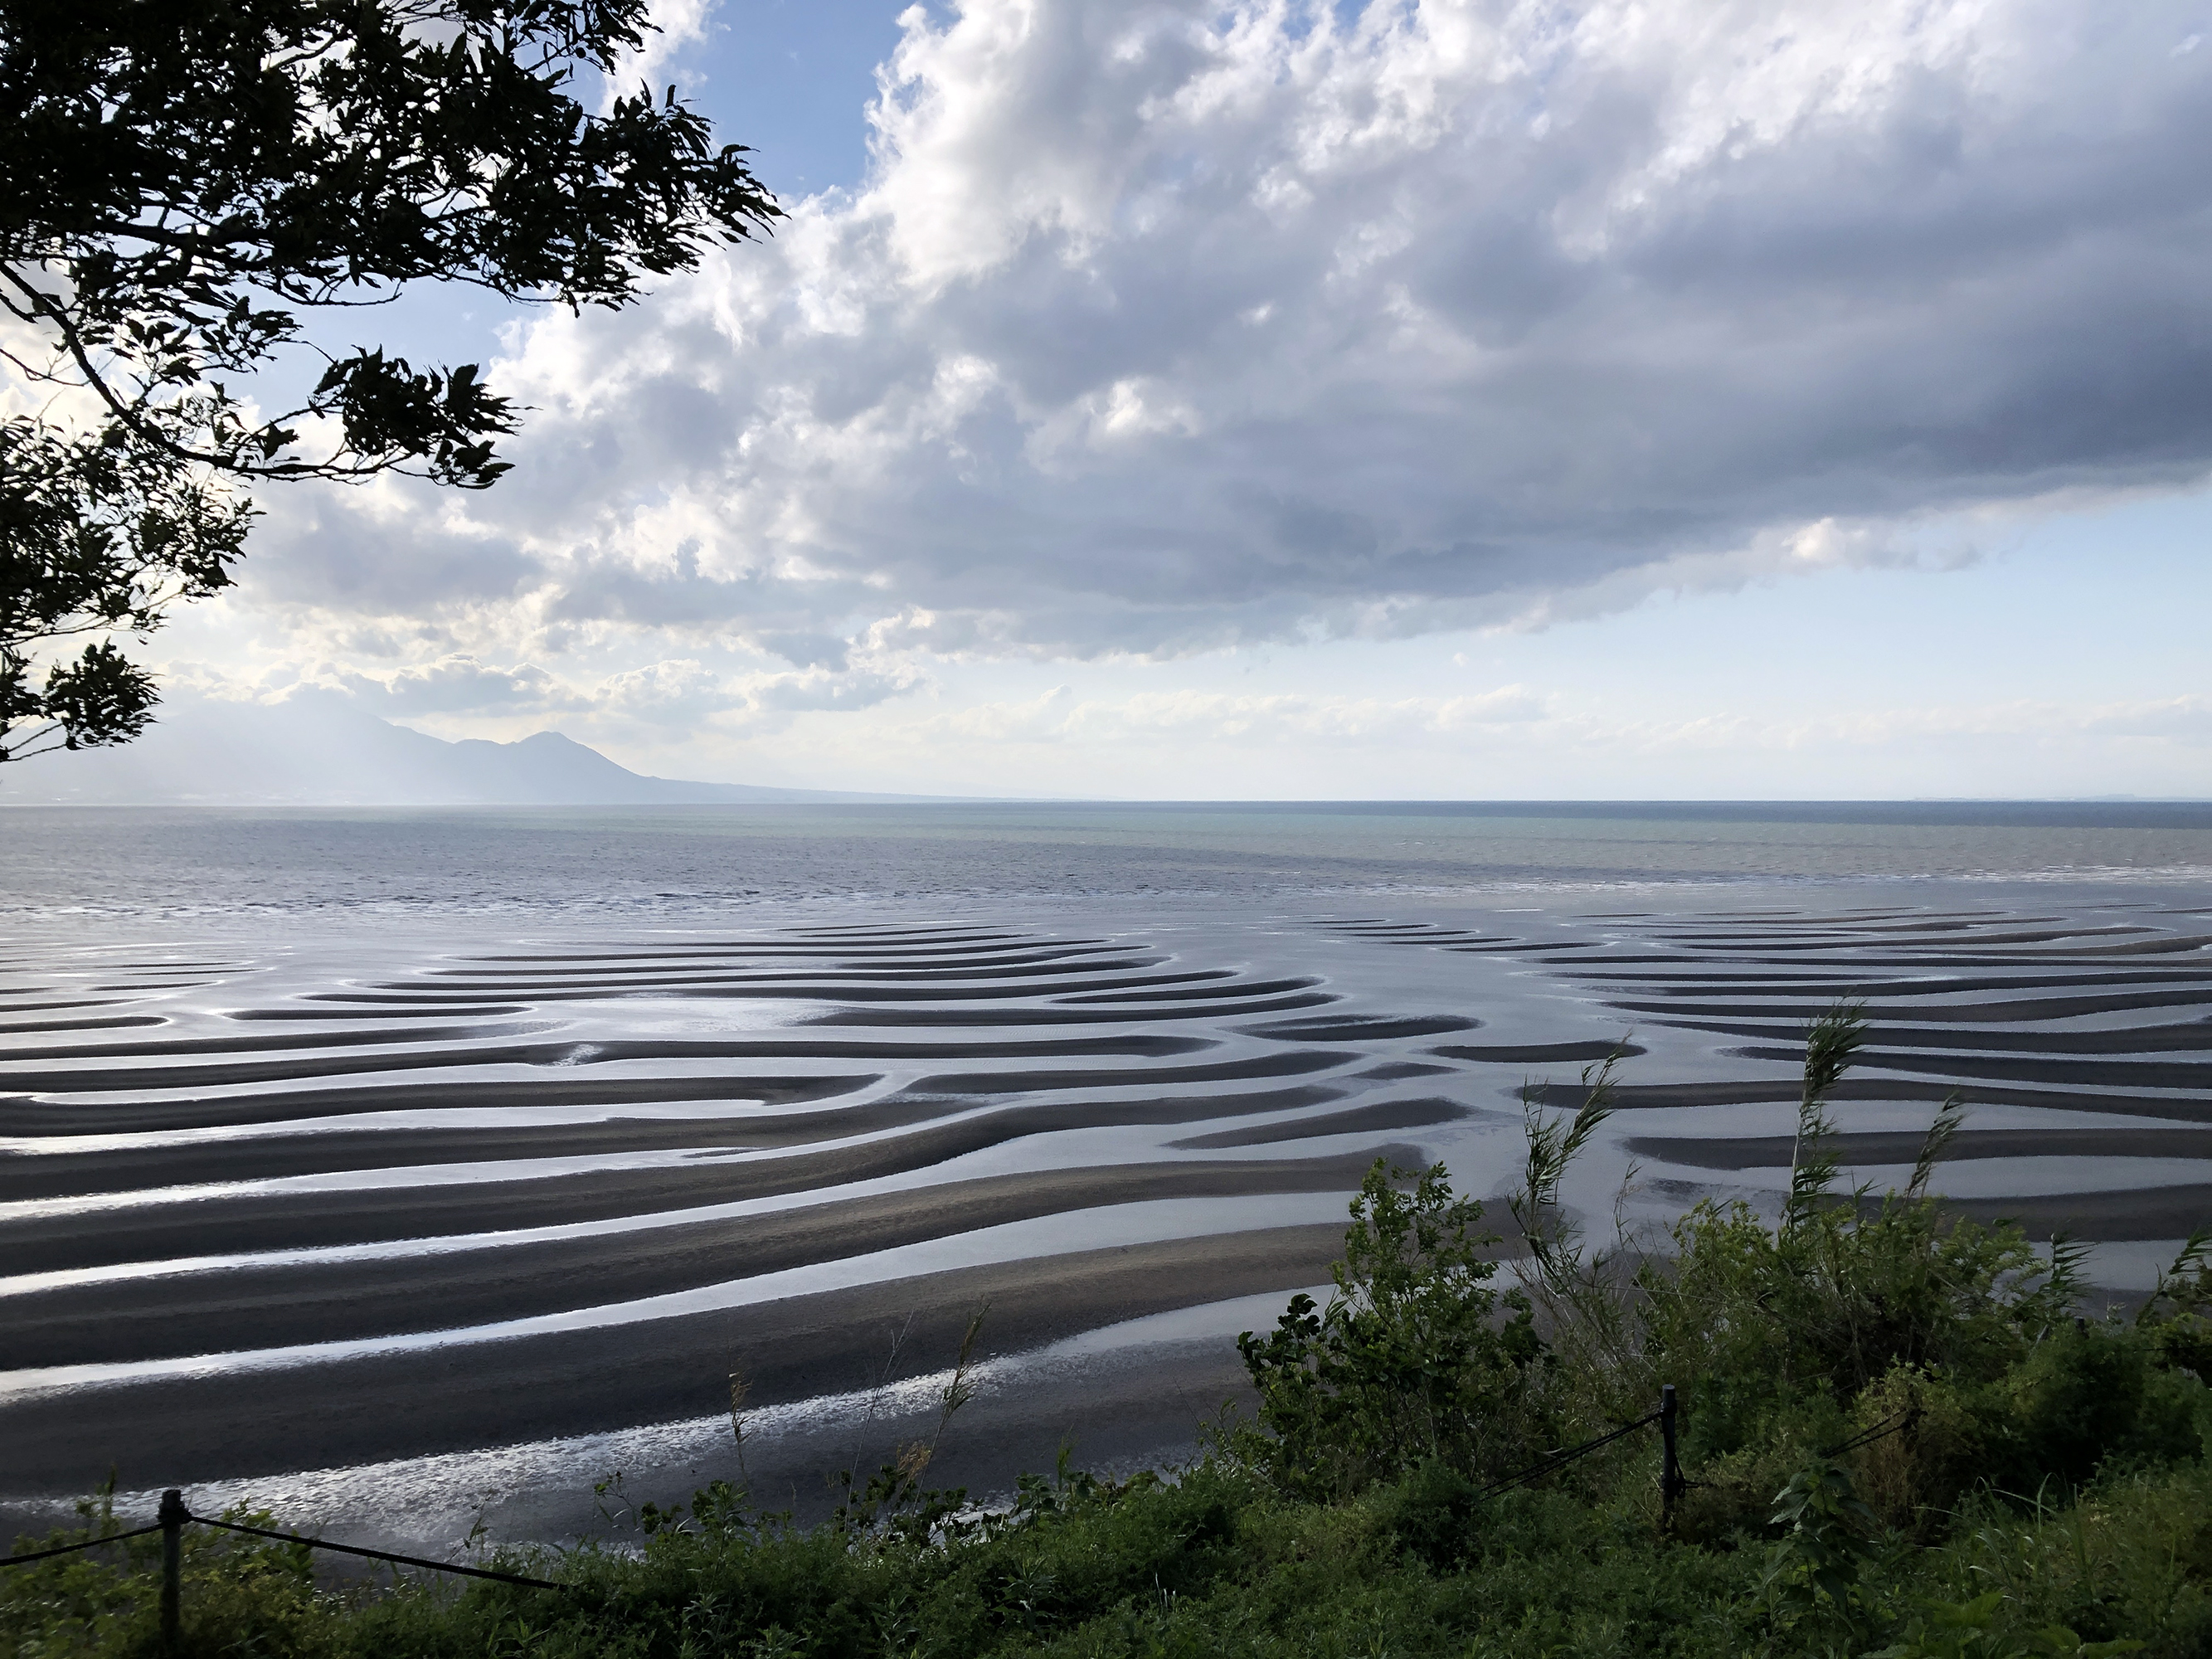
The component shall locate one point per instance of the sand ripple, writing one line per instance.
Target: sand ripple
(258, 1219)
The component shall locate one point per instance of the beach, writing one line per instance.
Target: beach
(398, 1186)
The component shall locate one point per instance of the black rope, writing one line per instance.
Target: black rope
(69, 1549)
(1558, 1459)
(386, 1555)
(1904, 1420)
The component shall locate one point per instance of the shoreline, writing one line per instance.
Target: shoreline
(554, 1137)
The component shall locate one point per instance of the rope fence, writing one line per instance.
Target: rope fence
(71, 1549)
(384, 1555)
(1559, 1460)
(174, 1517)
(1672, 1482)
(1904, 1420)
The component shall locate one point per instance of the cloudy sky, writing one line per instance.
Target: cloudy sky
(1144, 398)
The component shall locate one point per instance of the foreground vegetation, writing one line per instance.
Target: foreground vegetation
(1903, 1438)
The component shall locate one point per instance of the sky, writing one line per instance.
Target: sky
(1444, 400)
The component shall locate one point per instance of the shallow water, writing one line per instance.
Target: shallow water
(679, 863)
(452, 1142)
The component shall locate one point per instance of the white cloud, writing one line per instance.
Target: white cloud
(454, 683)
(1164, 325)
(819, 688)
(2189, 719)
(1519, 720)
(675, 692)
(1060, 716)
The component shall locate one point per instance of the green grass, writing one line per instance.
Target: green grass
(1214, 1562)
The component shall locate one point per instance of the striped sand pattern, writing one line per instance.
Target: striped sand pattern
(260, 1215)
(2081, 1043)
(522, 1193)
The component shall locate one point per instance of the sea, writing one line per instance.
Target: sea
(413, 1172)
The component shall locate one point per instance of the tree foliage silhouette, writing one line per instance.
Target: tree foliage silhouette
(186, 185)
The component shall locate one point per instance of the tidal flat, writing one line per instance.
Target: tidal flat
(392, 1171)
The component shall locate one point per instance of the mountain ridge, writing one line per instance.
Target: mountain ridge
(319, 749)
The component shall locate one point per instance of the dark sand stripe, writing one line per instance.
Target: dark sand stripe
(949, 976)
(25, 1176)
(2126, 1040)
(2093, 1074)
(1000, 1015)
(444, 1011)
(1731, 942)
(741, 950)
(785, 950)
(858, 988)
(1380, 1118)
(1779, 1090)
(1523, 948)
(578, 1055)
(21, 1028)
(250, 1306)
(1538, 1053)
(1957, 957)
(1001, 955)
(182, 1430)
(125, 1170)
(1577, 966)
(1859, 1148)
(2017, 1010)
(120, 1169)
(1357, 1028)
(246, 1224)
(1294, 1064)
(247, 1043)
(2143, 1212)
(1247, 988)
(1820, 993)
(21, 1116)
(1919, 964)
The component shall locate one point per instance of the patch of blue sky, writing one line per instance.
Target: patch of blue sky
(793, 79)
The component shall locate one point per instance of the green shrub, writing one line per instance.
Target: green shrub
(1434, 1514)
(2085, 1395)
(1970, 1630)
(240, 1595)
(1772, 1330)
(1841, 1291)
(1410, 1362)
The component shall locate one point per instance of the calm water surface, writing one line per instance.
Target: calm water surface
(693, 861)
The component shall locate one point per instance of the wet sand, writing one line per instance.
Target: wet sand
(264, 1218)
(457, 1397)
(229, 1308)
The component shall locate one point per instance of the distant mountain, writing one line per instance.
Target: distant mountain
(318, 749)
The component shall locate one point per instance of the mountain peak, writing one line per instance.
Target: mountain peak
(324, 751)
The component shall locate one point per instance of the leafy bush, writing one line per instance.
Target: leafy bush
(1772, 1330)
(2087, 1393)
(239, 1595)
(1409, 1363)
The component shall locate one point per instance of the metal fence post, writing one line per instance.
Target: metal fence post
(1671, 1483)
(173, 1515)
